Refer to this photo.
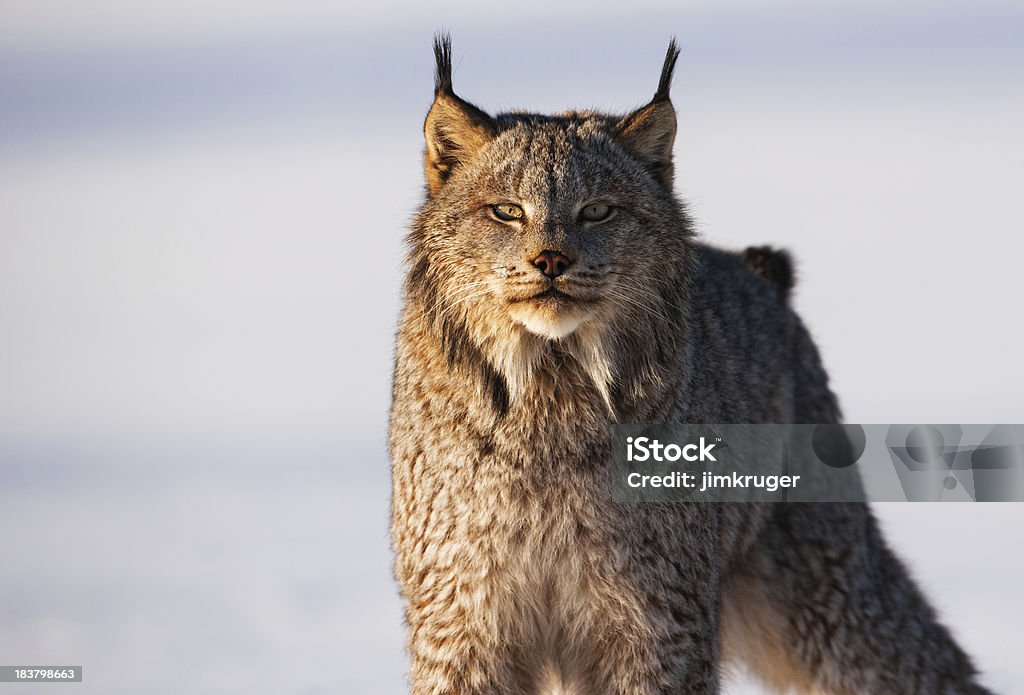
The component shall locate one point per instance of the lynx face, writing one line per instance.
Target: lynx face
(541, 230)
(549, 225)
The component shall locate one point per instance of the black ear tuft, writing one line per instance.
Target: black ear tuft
(443, 60)
(649, 132)
(774, 266)
(665, 83)
(455, 129)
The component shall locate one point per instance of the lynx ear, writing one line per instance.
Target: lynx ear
(455, 129)
(649, 132)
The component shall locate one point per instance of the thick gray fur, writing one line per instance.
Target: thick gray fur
(518, 573)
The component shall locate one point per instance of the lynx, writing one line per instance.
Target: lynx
(555, 287)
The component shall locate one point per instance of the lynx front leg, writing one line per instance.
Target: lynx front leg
(679, 661)
(607, 640)
(652, 628)
(823, 605)
(453, 651)
(667, 649)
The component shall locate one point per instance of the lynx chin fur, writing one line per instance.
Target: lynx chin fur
(555, 287)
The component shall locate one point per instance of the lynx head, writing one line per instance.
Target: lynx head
(546, 233)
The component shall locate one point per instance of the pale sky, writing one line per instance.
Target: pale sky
(99, 23)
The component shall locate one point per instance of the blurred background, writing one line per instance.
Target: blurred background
(202, 207)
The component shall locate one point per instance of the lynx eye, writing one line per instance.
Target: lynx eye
(507, 212)
(596, 212)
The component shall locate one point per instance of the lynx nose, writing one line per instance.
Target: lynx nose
(552, 263)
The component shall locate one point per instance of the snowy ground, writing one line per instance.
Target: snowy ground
(275, 577)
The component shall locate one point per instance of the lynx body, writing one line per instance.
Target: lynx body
(554, 288)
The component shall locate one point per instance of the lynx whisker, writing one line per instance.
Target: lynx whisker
(462, 300)
(458, 291)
